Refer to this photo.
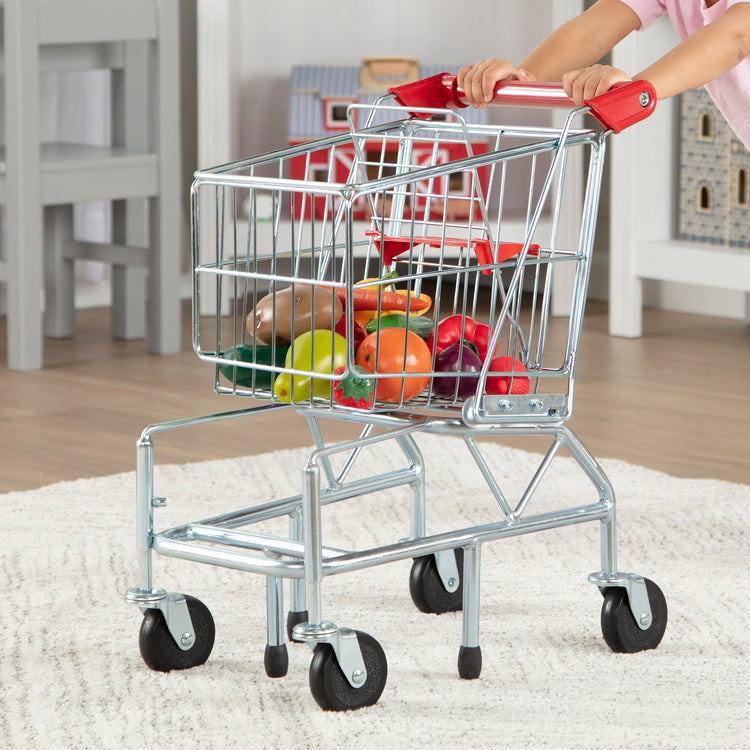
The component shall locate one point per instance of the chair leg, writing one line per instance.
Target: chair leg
(24, 290)
(164, 329)
(128, 303)
(165, 213)
(23, 249)
(59, 277)
(129, 283)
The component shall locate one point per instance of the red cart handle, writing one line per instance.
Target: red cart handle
(622, 106)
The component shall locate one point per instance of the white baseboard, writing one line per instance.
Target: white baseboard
(672, 296)
(690, 298)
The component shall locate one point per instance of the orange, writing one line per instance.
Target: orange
(397, 351)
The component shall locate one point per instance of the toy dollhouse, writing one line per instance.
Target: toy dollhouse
(320, 96)
(714, 204)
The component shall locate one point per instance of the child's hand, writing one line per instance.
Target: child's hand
(589, 82)
(478, 80)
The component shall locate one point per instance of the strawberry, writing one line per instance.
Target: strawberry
(499, 385)
(352, 390)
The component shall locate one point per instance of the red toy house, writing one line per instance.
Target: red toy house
(318, 107)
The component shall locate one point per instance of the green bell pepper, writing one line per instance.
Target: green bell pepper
(320, 351)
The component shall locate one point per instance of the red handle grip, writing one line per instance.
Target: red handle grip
(516, 94)
(622, 106)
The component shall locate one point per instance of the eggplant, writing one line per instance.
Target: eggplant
(457, 358)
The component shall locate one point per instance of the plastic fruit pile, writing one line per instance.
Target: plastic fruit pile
(304, 329)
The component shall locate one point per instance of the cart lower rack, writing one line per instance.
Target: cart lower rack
(399, 277)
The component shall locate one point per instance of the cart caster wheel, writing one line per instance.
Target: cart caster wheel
(427, 590)
(469, 662)
(332, 690)
(158, 648)
(276, 660)
(292, 619)
(619, 627)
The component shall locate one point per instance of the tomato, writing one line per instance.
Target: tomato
(389, 345)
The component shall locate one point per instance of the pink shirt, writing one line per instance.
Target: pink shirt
(730, 91)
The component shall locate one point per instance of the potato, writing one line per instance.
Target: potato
(272, 317)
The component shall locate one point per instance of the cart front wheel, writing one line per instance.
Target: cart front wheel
(330, 688)
(427, 590)
(158, 648)
(620, 630)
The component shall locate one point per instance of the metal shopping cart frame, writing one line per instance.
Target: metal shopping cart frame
(259, 233)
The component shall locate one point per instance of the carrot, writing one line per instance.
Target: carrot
(367, 299)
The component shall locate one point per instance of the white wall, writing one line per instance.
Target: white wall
(274, 36)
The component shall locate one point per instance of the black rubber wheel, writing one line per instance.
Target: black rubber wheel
(619, 627)
(427, 590)
(469, 662)
(158, 648)
(332, 691)
(292, 619)
(276, 660)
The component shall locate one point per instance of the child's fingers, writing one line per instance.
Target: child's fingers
(574, 83)
(587, 83)
(478, 80)
(471, 80)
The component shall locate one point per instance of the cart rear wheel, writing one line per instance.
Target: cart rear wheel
(158, 648)
(330, 688)
(427, 590)
(620, 630)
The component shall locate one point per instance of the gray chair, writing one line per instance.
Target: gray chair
(138, 41)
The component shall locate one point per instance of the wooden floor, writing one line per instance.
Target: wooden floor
(676, 400)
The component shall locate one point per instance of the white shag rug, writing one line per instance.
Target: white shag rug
(71, 675)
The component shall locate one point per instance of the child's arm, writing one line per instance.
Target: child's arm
(587, 37)
(577, 43)
(703, 56)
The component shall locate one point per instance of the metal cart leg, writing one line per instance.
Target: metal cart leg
(470, 653)
(418, 524)
(297, 603)
(144, 510)
(173, 607)
(317, 631)
(158, 606)
(276, 657)
(314, 629)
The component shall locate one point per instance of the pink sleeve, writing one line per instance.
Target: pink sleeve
(647, 10)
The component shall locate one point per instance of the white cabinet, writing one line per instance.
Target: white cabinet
(644, 181)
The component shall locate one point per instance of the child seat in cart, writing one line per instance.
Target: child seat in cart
(400, 277)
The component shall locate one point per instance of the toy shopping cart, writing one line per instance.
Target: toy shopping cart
(401, 277)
